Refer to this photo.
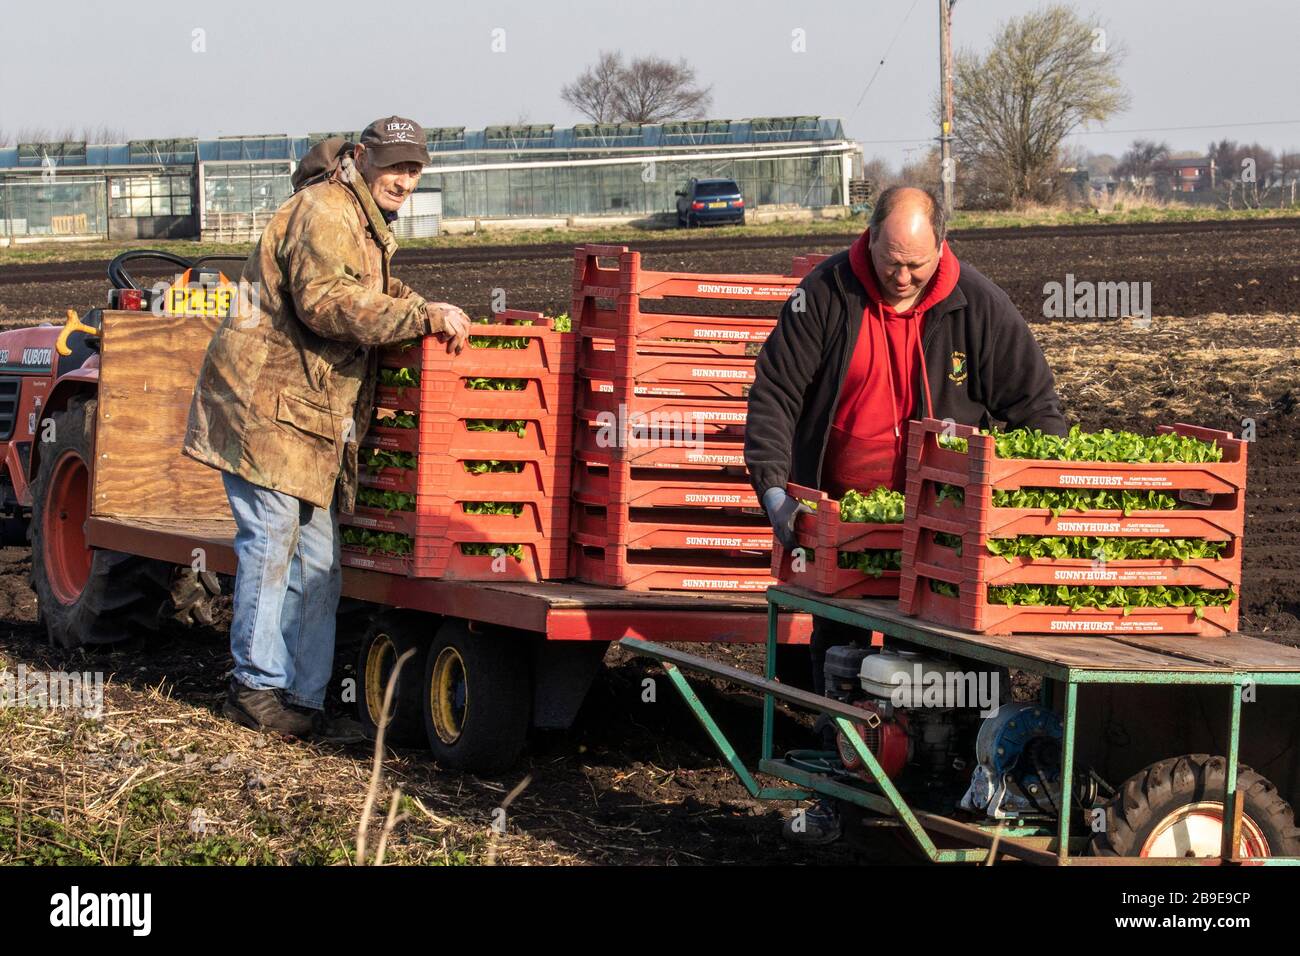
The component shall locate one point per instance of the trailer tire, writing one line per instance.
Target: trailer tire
(1172, 807)
(476, 698)
(85, 596)
(388, 637)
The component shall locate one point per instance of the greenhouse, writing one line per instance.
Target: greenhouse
(227, 188)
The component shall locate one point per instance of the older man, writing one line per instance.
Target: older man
(283, 400)
(893, 329)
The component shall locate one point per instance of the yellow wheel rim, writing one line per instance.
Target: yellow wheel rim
(379, 664)
(448, 695)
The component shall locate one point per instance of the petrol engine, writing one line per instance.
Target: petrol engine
(944, 730)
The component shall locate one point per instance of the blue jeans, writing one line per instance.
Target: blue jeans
(286, 592)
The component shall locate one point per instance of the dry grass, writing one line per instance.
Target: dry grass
(1176, 369)
(160, 781)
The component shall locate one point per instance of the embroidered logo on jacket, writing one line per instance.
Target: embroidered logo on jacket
(957, 373)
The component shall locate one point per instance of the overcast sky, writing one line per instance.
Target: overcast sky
(1227, 68)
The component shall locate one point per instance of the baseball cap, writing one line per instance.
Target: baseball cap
(394, 140)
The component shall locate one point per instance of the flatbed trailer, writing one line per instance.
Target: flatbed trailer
(555, 610)
(116, 498)
(1124, 701)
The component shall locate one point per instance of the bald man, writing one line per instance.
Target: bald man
(891, 330)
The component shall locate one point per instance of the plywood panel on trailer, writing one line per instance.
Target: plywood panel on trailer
(149, 365)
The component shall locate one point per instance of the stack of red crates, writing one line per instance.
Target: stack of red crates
(459, 464)
(1211, 499)
(661, 496)
(821, 536)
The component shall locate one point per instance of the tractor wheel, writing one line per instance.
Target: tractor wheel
(1174, 808)
(388, 638)
(85, 595)
(477, 698)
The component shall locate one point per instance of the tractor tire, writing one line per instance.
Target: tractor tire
(85, 596)
(477, 698)
(1173, 808)
(388, 637)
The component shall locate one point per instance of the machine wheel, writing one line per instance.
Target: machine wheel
(388, 638)
(1174, 808)
(85, 595)
(477, 698)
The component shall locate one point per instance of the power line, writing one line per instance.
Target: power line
(888, 50)
(1173, 129)
(1101, 132)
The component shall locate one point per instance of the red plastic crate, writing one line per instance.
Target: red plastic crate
(673, 374)
(660, 489)
(721, 416)
(805, 264)
(825, 535)
(546, 365)
(449, 563)
(443, 444)
(981, 466)
(655, 571)
(598, 446)
(972, 611)
(662, 528)
(626, 284)
(975, 563)
(976, 521)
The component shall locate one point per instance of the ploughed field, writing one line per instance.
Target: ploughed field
(634, 782)
(1222, 345)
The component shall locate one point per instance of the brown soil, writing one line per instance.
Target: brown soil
(636, 782)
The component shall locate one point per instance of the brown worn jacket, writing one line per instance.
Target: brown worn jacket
(287, 386)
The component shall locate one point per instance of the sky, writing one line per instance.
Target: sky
(1196, 70)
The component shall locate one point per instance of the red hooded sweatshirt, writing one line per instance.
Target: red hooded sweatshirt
(868, 441)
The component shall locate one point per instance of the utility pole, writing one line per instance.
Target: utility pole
(946, 171)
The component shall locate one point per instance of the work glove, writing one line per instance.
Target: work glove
(448, 323)
(782, 510)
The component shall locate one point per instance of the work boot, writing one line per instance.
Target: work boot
(333, 730)
(264, 710)
(816, 825)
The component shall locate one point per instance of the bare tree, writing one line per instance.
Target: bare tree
(646, 90)
(880, 174)
(1046, 73)
(592, 93)
(1141, 161)
(653, 90)
(1101, 164)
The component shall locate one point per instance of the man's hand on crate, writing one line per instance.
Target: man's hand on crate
(782, 510)
(449, 323)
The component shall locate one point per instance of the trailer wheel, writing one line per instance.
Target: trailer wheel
(477, 698)
(387, 639)
(85, 595)
(1174, 808)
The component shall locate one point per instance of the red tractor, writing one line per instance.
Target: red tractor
(47, 424)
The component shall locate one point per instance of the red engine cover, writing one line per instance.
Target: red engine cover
(888, 743)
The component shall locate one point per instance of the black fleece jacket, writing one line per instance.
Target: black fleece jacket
(982, 361)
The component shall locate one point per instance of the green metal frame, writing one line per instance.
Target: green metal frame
(877, 794)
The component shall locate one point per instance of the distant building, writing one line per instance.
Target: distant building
(226, 189)
(1193, 175)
